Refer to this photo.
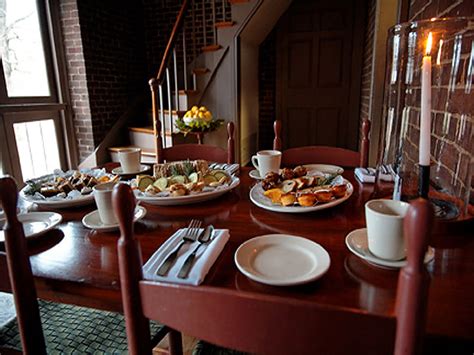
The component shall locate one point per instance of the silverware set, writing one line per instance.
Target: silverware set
(191, 234)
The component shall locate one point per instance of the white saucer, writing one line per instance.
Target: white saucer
(254, 174)
(35, 223)
(357, 243)
(282, 260)
(118, 170)
(92, 220)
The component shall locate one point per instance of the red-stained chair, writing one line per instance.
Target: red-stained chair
(46, 327)
(198, 151)
(249, 322)
(324, 154)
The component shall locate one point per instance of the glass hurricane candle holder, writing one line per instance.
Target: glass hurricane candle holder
(428, 113)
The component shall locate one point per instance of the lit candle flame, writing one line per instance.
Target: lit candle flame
(428, 44)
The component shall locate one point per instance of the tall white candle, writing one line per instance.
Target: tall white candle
(425, 117)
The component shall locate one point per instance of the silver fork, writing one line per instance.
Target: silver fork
(190, 235)
(203, 239)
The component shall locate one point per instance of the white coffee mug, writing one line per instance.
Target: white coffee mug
(266, 161)
(130, 159)
(384, 220)
(103, 200)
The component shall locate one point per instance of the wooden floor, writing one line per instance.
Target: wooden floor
(188, 345)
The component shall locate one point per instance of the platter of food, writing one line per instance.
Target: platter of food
(298, 191)
(65, 189)
(183, 182)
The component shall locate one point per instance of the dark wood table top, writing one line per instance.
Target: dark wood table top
(81, 267)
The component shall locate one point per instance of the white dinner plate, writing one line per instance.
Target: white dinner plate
(257, 197)
(282, 260)
(92, 220)
(118, 170)
(357, 243)
(35, 223)
(188, 199)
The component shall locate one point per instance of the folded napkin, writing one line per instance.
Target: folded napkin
(367, 175)
(232, 168)
(205, 258)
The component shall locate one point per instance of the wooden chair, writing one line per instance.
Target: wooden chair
(231, 321)
(324, 154)
(61, 327)
(198, 151)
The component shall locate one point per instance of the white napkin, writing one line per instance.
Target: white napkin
(367, 175)
(205, 258)
(232, 168)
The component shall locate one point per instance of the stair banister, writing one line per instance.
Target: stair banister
(157, 82)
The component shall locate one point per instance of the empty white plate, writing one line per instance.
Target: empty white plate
(282, 260)
(35, 223)
(92, 220)
(357, 243)
(119, 171)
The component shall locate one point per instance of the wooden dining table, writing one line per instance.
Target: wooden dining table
(79, 265)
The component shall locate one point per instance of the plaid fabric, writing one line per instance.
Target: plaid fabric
(204, 348)
(75, 330)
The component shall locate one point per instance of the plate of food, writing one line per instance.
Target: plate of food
(183, 182)
(298, 191)
(65, 189)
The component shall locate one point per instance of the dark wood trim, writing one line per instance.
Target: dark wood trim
(32, 107)
(403, 10)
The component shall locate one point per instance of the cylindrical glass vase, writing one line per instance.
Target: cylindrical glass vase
(451, 113)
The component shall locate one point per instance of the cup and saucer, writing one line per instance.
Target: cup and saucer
(358, 244)
(92, 220)
(264, 162)
(119, 170)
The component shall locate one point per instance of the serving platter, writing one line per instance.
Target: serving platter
(188, 199)
(73, 199)
(258, 198)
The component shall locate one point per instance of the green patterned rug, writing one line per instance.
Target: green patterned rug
(75, 330)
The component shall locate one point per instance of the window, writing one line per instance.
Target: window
(33, 116)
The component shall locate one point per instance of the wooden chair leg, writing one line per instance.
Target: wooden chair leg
(176, 343)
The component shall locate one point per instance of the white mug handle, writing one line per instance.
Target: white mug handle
(255, 162)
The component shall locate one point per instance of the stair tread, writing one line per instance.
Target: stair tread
(224, 24)
(199, 71)
(211, 48)
(188, 92)
(148, 130)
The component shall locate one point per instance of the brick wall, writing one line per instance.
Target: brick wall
(452, 145)
(113, 45)
(76, 68)
(366, 79)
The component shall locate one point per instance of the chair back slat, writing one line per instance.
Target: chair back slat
(413, 281)
(230, 143)
(323, 154)
(20, 274)
(130, 266)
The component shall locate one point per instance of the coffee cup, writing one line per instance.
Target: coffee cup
(130, 160)
(267, 161)
(384, 220)
(103, 200)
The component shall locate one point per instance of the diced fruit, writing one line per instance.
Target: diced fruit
(194, 177)
(161, 183)
(143, 181)
(209, 178)
(178, 179)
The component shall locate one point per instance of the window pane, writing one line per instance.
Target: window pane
(37, 148)
(21, 49)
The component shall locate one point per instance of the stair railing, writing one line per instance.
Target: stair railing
(168, 78)
(163, 78)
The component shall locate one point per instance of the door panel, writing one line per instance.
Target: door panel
(319, 51)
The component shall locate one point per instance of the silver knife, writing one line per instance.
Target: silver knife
(188, 263)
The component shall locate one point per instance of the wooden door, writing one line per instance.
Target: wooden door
(319, 64)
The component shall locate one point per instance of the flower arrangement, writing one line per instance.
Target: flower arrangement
(198, 120)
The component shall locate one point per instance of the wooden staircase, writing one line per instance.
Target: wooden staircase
(186, 71)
